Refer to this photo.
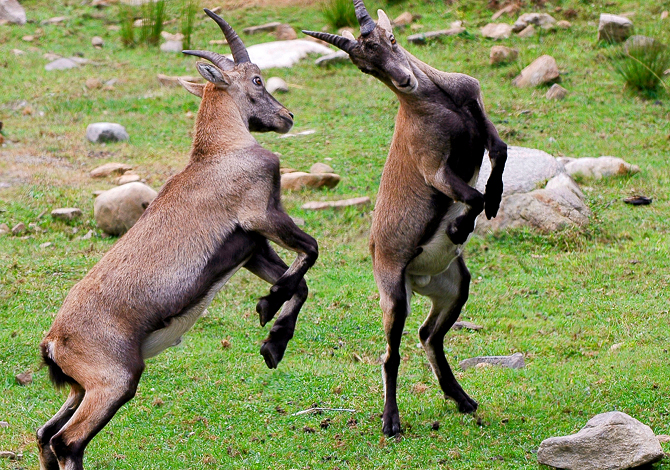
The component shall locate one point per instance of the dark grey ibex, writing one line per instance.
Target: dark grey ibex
(426, 206)
(208, 221)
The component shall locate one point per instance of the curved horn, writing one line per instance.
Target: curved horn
(221, 61)
(338, 41)
(236, 45)
(364, 18)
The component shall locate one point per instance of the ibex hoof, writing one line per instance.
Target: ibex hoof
(467, 405)
(272, 353)
(264, 311)
(458, 233)
(391, 426)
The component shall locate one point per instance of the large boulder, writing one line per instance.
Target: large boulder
(119, 208)
(543, 70)
(269, 55)
(12, 11)
(598, 168)
(609, 441)
(614, 28)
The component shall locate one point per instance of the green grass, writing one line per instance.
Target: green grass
(339, 13)
(563, 299)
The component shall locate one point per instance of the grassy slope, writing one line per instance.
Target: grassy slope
(563, 299)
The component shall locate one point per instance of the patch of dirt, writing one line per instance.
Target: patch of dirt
(19, 168)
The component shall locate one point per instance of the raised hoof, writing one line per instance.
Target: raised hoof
(391, 427)
(272, 353)
(492, 199)
(264, 311)
(467, 406)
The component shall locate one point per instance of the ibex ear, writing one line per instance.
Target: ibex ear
(347, 34)
(384, 21)
(194, 88)
(213, 75)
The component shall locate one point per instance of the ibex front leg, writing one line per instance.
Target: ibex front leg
(280, 228)
(267, 265)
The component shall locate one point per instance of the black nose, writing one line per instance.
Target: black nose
(290, 114)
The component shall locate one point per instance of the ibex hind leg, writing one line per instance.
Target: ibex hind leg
(267, 265)
(448, 293)
(48, 460)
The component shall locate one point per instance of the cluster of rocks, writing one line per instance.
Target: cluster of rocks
(320, 175)
(559, 203)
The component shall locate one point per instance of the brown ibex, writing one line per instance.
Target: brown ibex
(426, 206)
(211, 219)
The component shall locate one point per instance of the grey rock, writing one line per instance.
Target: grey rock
(172, 46)
(515, 361)
(339, 57)
(421, 38)
(599, 168)
(119, 208)
(527, 32)
(45, 245)
(19, 228)
(497, 31)
(543, 20)
(556, 92)
(639, 43)
(525, 170)
(459, 325)
(97, 41)
(12, 11)
(502, 54)
(110, 168)
(564, 24)
(285, 32)
(4, 424)
(608, 441)
(127, 178)
(280, 54)
(542, 70)
(321, 205)
(276, 84)
(298, 180)
(4, 228)
(66, 213)
(264, 28)
(61, 64)
(90, 234)
(106, 132)
(7, 454)
(321, 168)
(613, 28)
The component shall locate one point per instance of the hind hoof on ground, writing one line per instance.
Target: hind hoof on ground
(467, 406)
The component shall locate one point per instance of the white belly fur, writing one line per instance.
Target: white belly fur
(159, 340)
(439, 251)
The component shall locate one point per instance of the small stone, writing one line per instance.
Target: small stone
(268, 27)
(276, 84)
(467, 325)
(55, 20)
(338, 57)
(285, 32)
(50, 56)
(24, 379)
(11, 11)
(28, 38)
(88, 235)
(172, 46)
(527, 32)
(543, 70)
(508, 10)
(6, 454)
(299, 180)
(61, 64)
(118, 209)
(664, 15)
(564, 24)
(127, 178)
(616, 346)
(111, 168)
(612, 441)
(639, 43)
(19, 228)
(321, 205)
(502, 54)
(496, 31)
(17, 52)
(403, 19)
(542, 20)
(321, 168)
(515, 361)
(97, 41)
(93, 83)
(422, 38)
(106, 132)
(613, 28)
(66, 213)
(45, 245)
(556, 92)
(172, 37)
(5, 424)
(4, 228)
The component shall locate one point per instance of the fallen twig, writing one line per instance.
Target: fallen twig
(313, 410)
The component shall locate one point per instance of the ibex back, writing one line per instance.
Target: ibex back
(426, 206)
(208, 221)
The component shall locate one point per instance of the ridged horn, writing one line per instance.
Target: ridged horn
(338, 41)
(221, 61)
(364, 18)
(236, 45)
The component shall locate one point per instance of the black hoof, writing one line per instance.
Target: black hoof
(272, 353)
(467, 406)
(391, 426)
(264, 311)
(458, 234)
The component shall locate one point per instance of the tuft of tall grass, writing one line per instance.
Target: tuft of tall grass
(641, 65)
(339, 13)
(126, 20)
(188, 14)
(152, 24)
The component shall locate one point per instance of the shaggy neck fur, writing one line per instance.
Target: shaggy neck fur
(219, 126)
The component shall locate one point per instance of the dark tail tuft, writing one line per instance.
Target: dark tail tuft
(56, 374)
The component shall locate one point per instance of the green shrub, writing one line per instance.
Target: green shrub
(340, 13)
(126, 20)
(188, 12)
(642, 66)
(152, 25)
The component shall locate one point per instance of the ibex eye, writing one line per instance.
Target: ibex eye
(392, 38)
(257, 81)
